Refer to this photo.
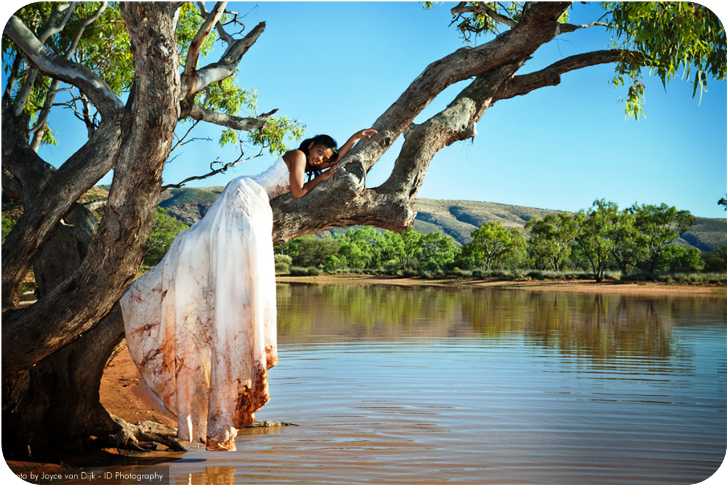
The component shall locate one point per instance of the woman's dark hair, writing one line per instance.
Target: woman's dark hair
(324, 140)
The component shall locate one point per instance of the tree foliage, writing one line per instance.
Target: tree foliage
(165, 229)
(660, 226)
(491, 244)
(552, 238)
(596, 235)
(669, 39)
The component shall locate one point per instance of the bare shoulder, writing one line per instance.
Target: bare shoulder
(294, 159)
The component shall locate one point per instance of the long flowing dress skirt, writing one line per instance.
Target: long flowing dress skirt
(201, 325)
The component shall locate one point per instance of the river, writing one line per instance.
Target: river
(393, 385)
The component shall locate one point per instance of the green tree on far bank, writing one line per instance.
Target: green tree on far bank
(676, 258)
(595, 238)
(491, 244)
(630, 247)
(660, 227)
(164, 230)
(437, 251)
(551, 239)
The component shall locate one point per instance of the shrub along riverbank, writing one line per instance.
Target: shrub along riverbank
(519, 275)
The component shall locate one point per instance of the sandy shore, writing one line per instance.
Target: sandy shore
(545, 285)
(124, 393)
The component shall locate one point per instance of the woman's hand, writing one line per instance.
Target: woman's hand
(329, 172)
(366, 133)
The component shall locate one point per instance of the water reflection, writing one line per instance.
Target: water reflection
(213, 475)
(593, 326)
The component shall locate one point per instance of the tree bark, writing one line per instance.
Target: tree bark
(50, 390)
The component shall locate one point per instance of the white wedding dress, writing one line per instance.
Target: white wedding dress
(201, 325)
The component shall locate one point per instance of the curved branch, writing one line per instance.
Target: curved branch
(230, 121)
(212, 172)
(537, 26)
(222, 69)
(193, 52)
(455, 123)
(50, 30)
(43, 59)
(551, 75)
(39, 129)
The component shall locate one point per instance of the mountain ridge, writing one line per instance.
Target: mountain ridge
(455, 218)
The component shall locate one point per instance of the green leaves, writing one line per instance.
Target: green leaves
(491, 243)
(671, 39)
(551, 239)
(277, 130)
(164, 230)
(660, 226)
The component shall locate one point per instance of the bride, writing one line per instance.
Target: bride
(201, 325)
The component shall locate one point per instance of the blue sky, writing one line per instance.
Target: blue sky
(336, 66)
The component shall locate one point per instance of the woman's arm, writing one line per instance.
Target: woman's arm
(344, 150)
(297, 166)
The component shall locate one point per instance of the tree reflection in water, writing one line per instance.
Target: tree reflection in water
(591, 326)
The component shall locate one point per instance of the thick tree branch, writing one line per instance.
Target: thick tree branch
(44, 210)
(11, 186)
(455, 123)
(537, 26)
(55, 66)
(222, 69)
(193, 52)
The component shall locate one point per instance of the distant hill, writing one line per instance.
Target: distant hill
(455, 218)
(460, 218)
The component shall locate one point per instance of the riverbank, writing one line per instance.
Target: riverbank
(608, 286)
(124, 393)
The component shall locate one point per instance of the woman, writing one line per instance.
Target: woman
(201, 325)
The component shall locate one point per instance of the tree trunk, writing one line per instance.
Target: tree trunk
(51, 388)
(54, 406)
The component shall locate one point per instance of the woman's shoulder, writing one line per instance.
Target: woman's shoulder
(294, 157)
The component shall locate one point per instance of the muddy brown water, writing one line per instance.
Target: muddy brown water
(422, 385)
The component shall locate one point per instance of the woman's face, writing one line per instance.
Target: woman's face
(318, 154)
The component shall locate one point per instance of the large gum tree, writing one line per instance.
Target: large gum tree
(134, 72)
